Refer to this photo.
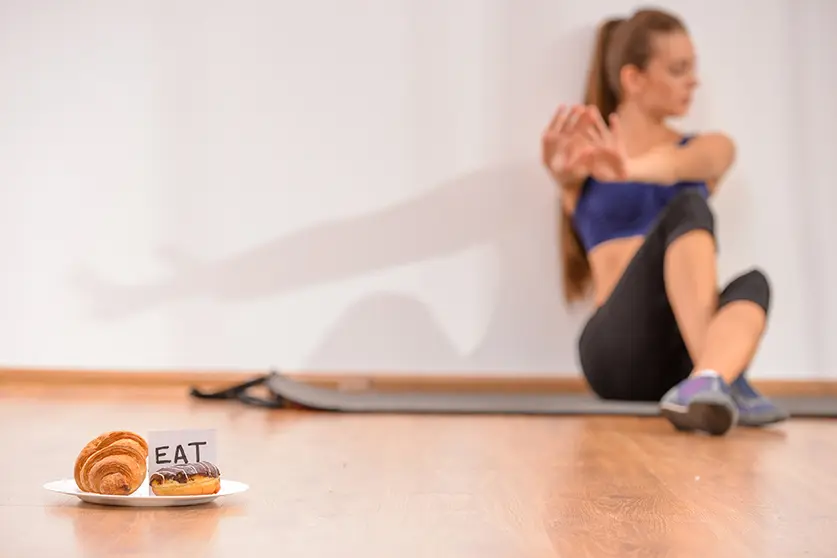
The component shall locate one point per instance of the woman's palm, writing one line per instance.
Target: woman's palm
(564, 144)
(609, 165)
(606, 153)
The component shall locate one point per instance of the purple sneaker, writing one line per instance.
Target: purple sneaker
(702, 403)
(754, 409)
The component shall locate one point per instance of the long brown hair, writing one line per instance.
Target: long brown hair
(619, 43)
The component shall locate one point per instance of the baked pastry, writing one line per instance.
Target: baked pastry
(113, 463)
(188, 479)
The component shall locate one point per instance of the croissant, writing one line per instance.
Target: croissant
(113, 463)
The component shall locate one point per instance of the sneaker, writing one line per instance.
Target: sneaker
(754, 409)
(700, 403)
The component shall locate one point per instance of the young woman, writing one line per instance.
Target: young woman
(638, 236)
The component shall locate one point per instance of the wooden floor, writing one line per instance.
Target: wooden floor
(404, 486)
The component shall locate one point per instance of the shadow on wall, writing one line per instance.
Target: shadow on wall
(510, 210)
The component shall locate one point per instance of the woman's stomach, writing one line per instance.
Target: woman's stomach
(608, 262)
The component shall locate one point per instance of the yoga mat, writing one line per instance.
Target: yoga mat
(288, 392)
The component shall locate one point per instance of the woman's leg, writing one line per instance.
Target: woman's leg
(746, 299)
(721, 335)
(691, 281)
(632, 347)
(722, 332)
(691, 277)
(663, 317)
(734, 332)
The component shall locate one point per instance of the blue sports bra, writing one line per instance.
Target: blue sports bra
(609, 210)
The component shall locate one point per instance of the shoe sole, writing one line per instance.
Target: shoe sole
(714, 416)
(763, 420)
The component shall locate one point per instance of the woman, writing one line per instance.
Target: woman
(638, 236)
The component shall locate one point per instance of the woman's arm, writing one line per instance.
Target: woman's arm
(706, 158)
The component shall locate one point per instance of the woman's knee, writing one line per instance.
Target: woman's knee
(687, 212)
(753, 286)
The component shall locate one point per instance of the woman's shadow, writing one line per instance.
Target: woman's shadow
(509, 212)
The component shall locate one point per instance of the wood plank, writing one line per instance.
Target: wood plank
(408, 486)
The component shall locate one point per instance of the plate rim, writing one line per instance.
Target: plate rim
(237, 487)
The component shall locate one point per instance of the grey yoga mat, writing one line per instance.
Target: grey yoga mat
(287, 392)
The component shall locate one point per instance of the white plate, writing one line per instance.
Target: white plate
(143, 497)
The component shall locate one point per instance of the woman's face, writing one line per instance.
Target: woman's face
(665, 88)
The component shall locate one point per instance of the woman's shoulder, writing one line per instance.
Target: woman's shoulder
(683, 138)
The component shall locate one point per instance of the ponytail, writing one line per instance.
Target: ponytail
(599, 93)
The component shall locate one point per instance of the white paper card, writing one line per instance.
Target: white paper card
(177, 447)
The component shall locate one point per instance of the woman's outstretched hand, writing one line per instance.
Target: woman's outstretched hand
(565, 146)
(605, 153)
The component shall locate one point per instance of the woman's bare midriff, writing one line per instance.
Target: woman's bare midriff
(608, 262)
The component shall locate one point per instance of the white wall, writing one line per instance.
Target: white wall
(216, 184)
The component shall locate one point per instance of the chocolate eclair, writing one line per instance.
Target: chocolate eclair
(188, 479)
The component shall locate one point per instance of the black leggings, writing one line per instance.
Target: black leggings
(631, 348)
